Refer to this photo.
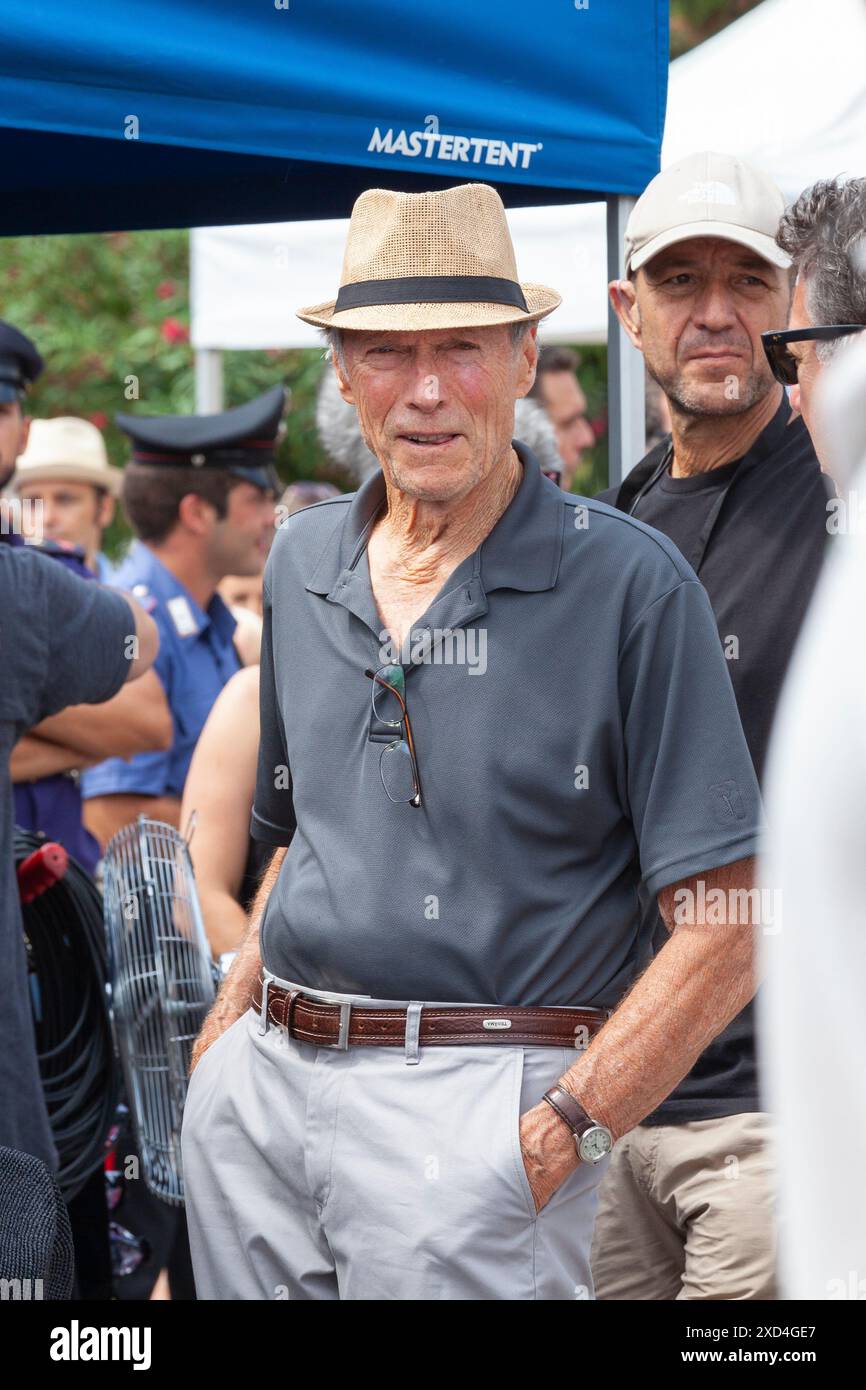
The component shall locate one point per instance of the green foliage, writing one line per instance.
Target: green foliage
(110, 314)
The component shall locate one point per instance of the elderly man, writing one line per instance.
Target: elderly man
(737, 487)
(416, 1097)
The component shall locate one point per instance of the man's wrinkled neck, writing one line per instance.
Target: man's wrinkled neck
(423, 532)
(704, 442)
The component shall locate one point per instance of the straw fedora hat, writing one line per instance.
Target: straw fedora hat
(66, 449)
(430, 260)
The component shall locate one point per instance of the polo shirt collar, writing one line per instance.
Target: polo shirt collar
(521, 552)
(163, 584)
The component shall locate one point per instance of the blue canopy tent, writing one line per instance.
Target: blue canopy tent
(166, 113)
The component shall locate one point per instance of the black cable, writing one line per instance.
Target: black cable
(68, 973)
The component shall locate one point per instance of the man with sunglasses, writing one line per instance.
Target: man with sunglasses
(737, 487)
(417, 1095)
(815, 847)
(823, 233)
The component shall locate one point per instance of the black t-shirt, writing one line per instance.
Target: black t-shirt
(755, 531)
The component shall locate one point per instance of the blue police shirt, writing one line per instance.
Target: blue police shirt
(196, 659)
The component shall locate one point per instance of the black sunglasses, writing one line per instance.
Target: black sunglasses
(783, 363)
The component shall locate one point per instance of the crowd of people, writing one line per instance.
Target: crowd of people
(513, 883)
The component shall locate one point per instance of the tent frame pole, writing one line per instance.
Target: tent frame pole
(626, 389)
(209, 381)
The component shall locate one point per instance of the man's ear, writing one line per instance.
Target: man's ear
(196, 513)
(342, 380)
(24, 434)
(528, 362)
(623, 299)
(106, 511)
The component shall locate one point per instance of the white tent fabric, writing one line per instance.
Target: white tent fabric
(784, 87)
(247, 282)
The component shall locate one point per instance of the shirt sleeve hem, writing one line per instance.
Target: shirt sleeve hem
(703, 861)
(270, 834)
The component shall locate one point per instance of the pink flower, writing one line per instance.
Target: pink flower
(173, 331)
(165, 290)
(99, 419)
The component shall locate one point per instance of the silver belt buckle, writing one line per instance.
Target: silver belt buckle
(263, 1012)
(342, 1043)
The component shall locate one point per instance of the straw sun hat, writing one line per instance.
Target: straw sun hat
(430, 260)
(69, 450)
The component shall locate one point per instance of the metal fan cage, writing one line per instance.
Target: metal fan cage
(163, 982)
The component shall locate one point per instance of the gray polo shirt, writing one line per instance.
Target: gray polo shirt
(576, 735)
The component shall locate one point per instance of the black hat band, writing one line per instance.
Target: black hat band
(432, 289)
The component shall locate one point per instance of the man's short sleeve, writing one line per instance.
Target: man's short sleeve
(88, 630)
(273, 818)
(692, 790)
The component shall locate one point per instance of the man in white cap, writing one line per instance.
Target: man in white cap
(409, 1087)
(686, 1210)
(65, 475)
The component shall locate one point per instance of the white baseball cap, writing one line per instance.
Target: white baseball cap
(66, 449)
(706, 195)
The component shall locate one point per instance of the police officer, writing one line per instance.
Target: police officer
(43, 764)
(199, 492)
(20, 365)
(63, 642)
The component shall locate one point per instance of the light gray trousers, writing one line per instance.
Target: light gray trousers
(315, 1173)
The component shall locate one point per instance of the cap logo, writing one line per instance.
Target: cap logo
(709, 191)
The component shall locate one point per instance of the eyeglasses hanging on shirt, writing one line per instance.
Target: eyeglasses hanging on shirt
(398, 765)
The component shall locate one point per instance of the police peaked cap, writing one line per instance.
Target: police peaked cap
(20, 363)
(240, 441)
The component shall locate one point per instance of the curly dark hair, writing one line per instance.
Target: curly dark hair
(824, 233)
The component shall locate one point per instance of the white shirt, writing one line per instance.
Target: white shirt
(812, 1010)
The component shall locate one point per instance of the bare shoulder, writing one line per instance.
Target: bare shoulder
(234, 718)
(240, 695)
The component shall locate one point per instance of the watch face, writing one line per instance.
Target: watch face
(595, 1144)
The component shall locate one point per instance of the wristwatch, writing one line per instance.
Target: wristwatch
(592, 1141)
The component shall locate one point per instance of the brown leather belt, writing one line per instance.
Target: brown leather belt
(343, 1025)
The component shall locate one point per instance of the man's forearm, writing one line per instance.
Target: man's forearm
(700, 980)
(34, 757)
(135, 720)
(225, 921)
(233, 999)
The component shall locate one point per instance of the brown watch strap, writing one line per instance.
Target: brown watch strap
(568, 1109)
